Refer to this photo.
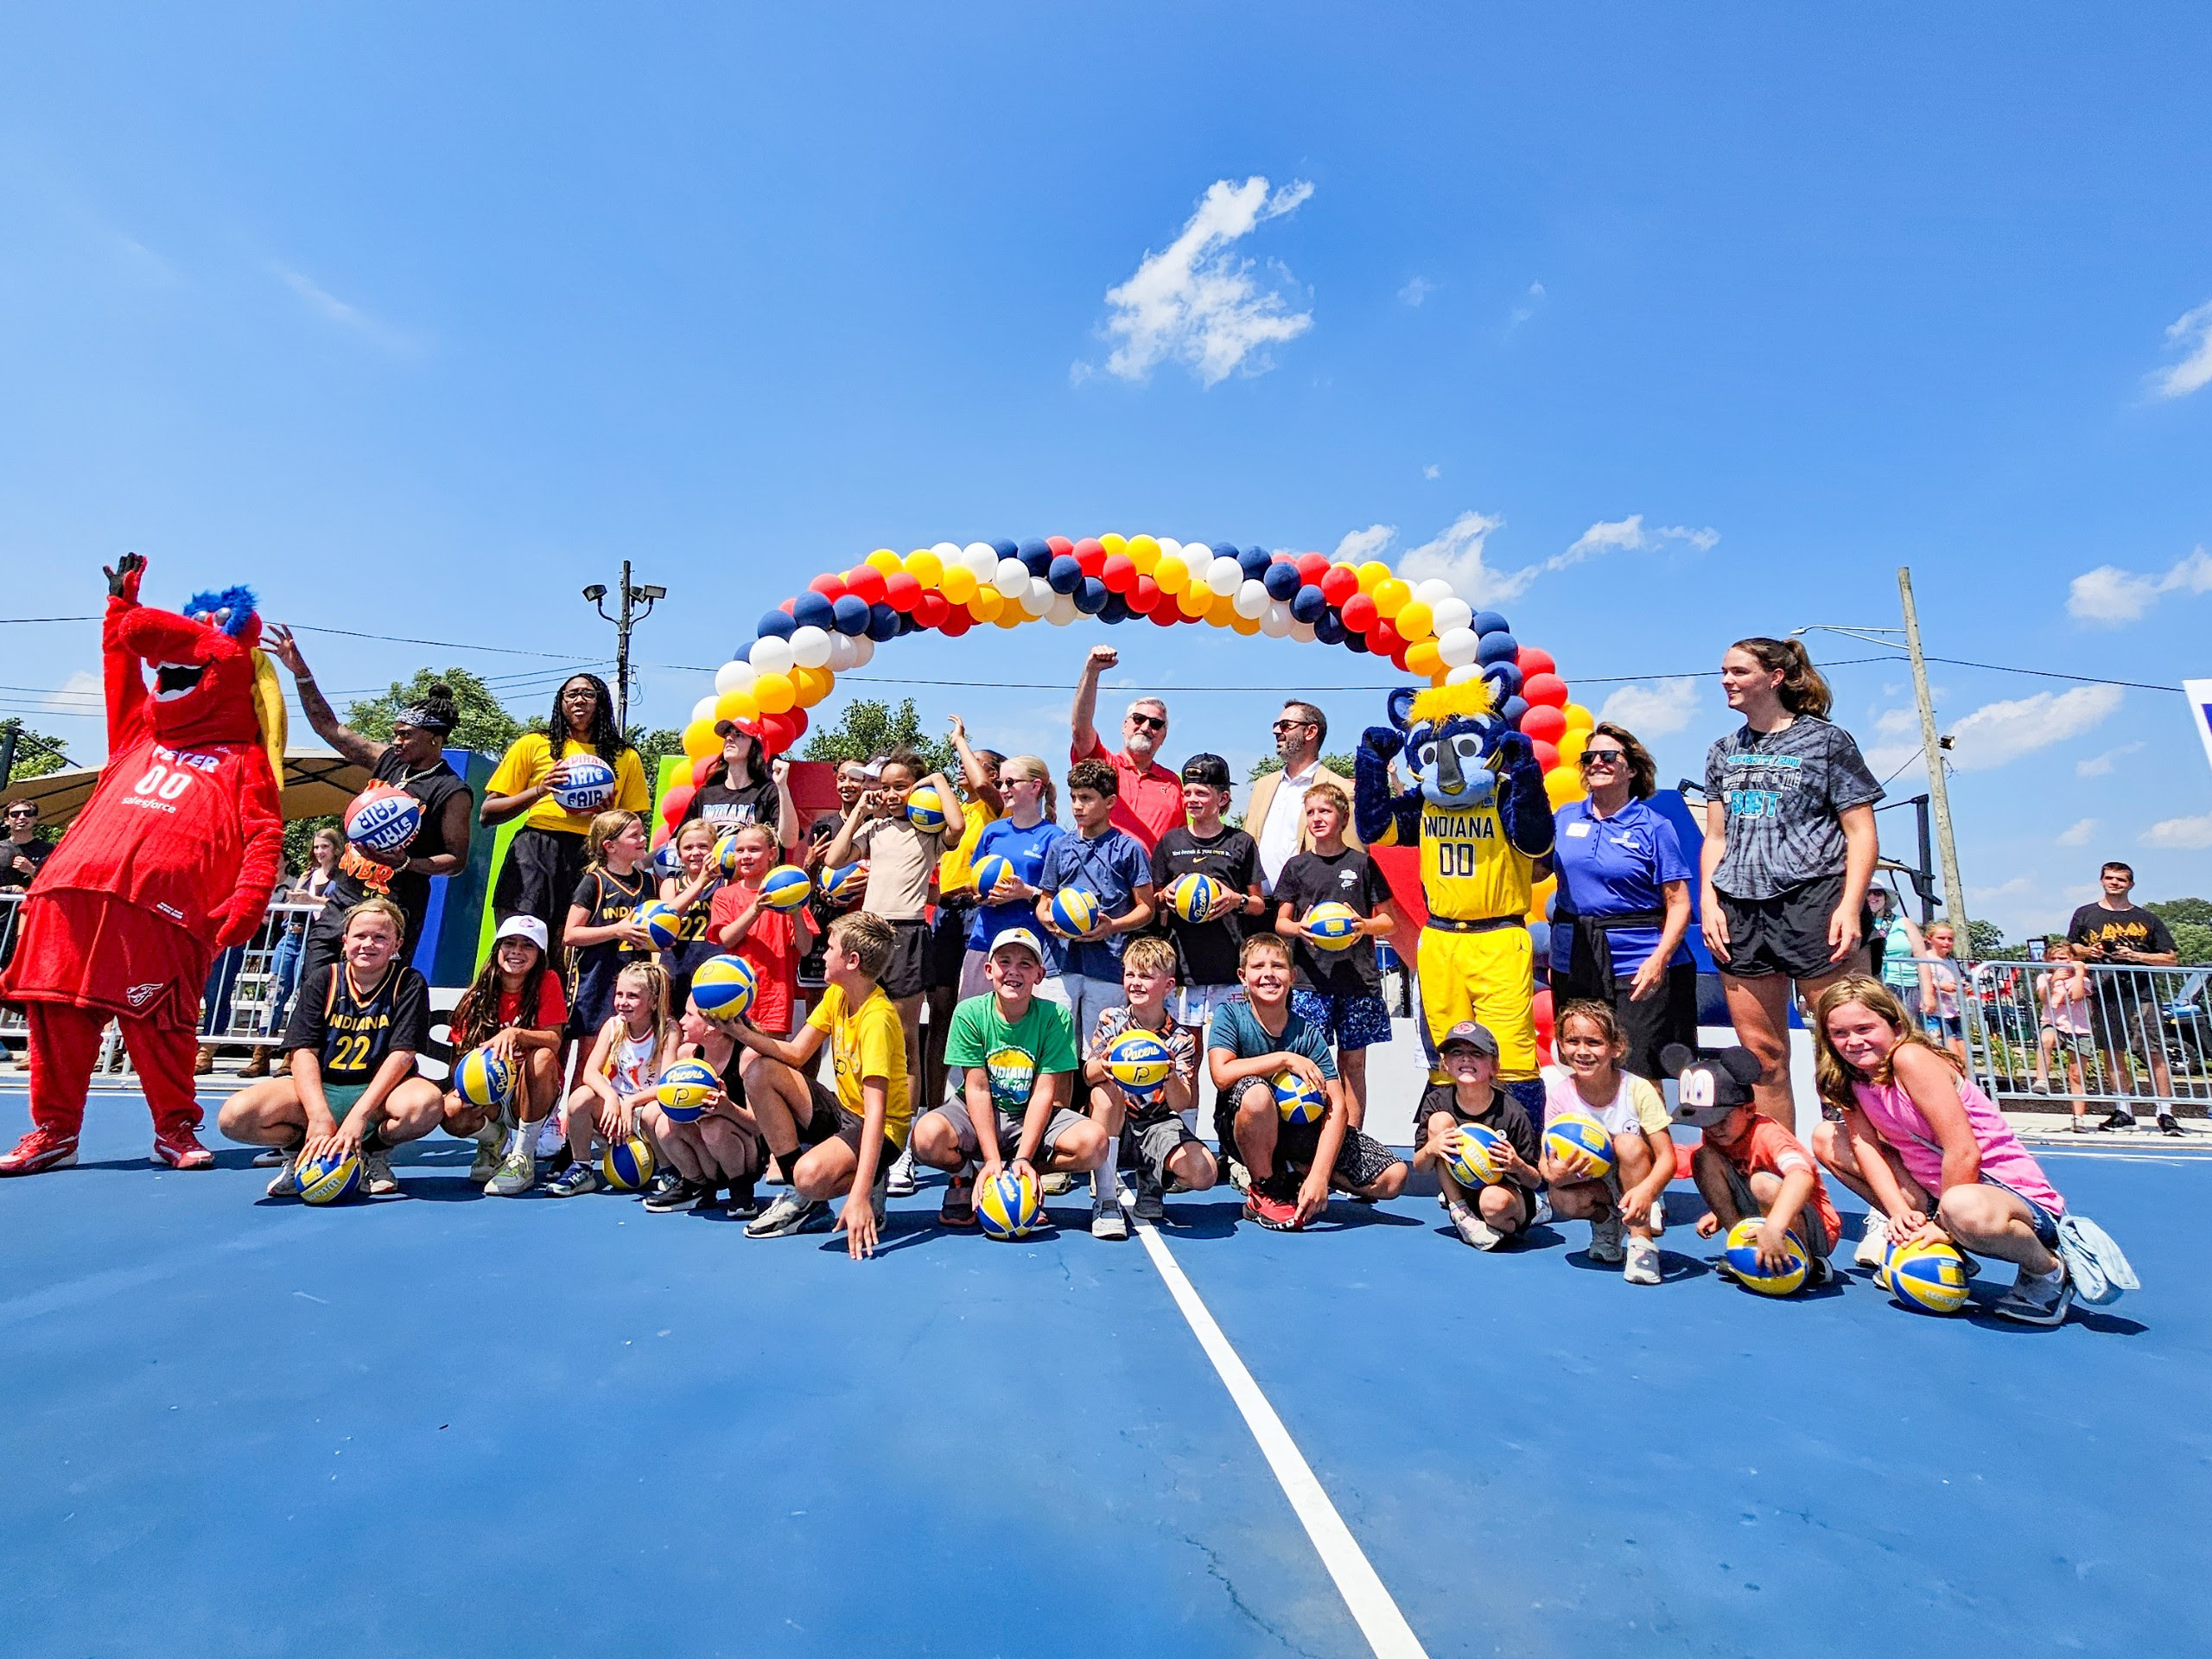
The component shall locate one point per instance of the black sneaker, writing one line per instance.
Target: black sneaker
(681, 1195)
(662, 1187)
(2166, 1124)
(743, 1204)
(2120, 1119)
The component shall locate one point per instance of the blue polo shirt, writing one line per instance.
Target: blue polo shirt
(1616, 866)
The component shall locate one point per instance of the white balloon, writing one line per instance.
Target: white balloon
(947, 553)
(1276, 623)
(1302, 631)
(1252, 601)
(1168, 544)
(1011, 578)
(1459, 647)
(703, 709)
(1449, 612)
(772, 656)
(863, 648)
(1036, 599)
(1063, 611)
(841, 652)
(734, 677)
(1434, 592)
(1224, 575)
(1464, 673)
(810, 647)
(981, 558)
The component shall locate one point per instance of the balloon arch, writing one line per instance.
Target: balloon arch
(1423, 628)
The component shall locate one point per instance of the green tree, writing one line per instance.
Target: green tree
(1984, 941)
(652, 744)
(2193, 942)
(37, 754)
(485, 726)
(1340, 763)
(2173, 911)
(867, 727)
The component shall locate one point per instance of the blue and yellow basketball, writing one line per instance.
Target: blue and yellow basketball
(628, 1165)
(662, 925)
(847, 885)
(723, 987)
(1334, 927)
(925, 811)
(1473, 1156)
(1009, 1205)
(1139, 1061)
(1075, 910)
(1297, 1100)
(725, 855)
(1578, 1143)
(1742, 1258)
(684, 1089)
(991, 869)
(787, 887)
(483, 1079)
(582, 783)
(1931, 1277)
(1196, 897)
(329, 1181)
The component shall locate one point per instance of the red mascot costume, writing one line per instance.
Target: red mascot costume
(171, 861)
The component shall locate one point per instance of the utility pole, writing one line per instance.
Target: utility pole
(1954, 898)
(625, 617)
(9, 729)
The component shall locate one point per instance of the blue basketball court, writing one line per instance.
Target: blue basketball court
(445, 1424)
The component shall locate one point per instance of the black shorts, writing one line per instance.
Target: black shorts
(949, 945)
(538, 878)
(1669, 1016)
(825, 1119)
(1362, 1161)
(1787, 934)
(907, 972)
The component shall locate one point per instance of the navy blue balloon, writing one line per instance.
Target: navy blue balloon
(744, 652)
(1006, 550)
(1488, 622)
(1355, 641)
(1283, 580)
(907, 623)
(1496, 648)
(1511, 710)
(849, 614)
(882, 623)
(1328, 627)
(1255, 562)
(1308, 605)
(1064, 573)
(1037, 556)
(1091, 596)
(1506, 676)
(778, 623)
(1116, 609)
(811, 610)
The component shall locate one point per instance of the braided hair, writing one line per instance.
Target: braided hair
(607, 739)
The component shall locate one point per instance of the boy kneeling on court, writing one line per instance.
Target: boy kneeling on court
(1015, 1108)
(1291, 1166)
(1749, 1165)
(1169, 1157)
(350, 1050)
(852, 1137)
(1507, 1207)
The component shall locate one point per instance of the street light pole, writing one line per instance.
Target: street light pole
(625, 617)
(1954, 897)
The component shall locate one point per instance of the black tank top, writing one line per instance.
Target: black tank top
(358, 875)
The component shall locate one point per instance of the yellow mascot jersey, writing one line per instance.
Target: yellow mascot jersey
(1469, 871)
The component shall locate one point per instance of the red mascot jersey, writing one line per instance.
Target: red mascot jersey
(175, 854)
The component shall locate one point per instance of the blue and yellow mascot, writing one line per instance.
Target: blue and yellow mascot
(1478, 811)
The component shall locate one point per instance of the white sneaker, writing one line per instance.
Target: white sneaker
(286, 1182)
(1472, 1228)
(552, 1135)
(901, 1183)
(1643, 1267)
(1873, 1240)
(2037, 1301)
(1106, 1221)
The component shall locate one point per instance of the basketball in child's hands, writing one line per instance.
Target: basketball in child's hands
(684, 1089)
(1472, 1154)
(722, 988)
(1075, 910)
(482, 1078)
(1334, 926)
(1742, 1258)
(786, 888)
(1578, 1143)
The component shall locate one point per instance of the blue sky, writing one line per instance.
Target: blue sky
(420, 318)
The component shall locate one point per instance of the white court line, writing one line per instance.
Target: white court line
(1377, 1616)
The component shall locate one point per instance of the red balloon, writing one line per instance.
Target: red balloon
(1144, 595)
(865, 581)
(786, 608)
(1544, 723)
(931, 609)
(957, 620)
(1090, 558)
(1398, 658)
(702, 767)
(1359, 612)
(673, 803)
(1546, 754)
(1339, 583)
(779, 731)
(1534, 660)
(1311, 567)
(1168, 613)
(829, 585)
(1382, 640)
(1060, 545)
(1119, 573)
(1540, 1007)
(901, 591)
(1548, 689)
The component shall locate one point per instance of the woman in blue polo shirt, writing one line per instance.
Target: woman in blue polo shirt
(1624, 904)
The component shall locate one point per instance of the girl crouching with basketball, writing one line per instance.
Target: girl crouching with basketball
(1591, 1047)
(721, 1147)
(1921, 1143)
(620, 1074)
(516, 1012)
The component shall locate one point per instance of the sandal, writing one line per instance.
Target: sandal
(959, 1207)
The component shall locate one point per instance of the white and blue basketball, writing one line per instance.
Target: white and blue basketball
(628, 1165)
(684, 1089)
(847, 885)
(1578, 1143)
(723, 987)
(991, 869)
(925, 811)
(1009, 1205)
(1473, 1156)
(1742, 1258)
(662, 924)
(1139, 1061)
(383, 819)
(1196, 897)
(1075, 910)
(1931, 1277)
(483, 1079)
(582, 783)
(787, 887)
(724, 856)
(1334, 927)
(1297, 1100)
(329, 1181)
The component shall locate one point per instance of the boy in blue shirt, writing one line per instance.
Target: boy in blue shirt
(1110, 865)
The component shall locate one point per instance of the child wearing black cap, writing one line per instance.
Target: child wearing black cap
(1515, 1201)
(1206, 948)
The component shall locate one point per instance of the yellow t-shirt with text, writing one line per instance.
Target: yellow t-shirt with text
(866, 1042)
(529, 762)
(1469, 871)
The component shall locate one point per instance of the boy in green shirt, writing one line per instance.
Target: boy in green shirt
(1019, 1050)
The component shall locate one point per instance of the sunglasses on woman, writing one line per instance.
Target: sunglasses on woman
(1603, 758)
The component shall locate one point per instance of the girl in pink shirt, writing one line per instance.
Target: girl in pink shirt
(1921, 1143)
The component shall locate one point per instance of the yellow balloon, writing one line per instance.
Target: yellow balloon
(985, 603)
(1423, 658)
(926, 567)
(1391, 596)
(1195, 599)
(1171, 573)
(1113, 544)
(1144, 553)
(1562, 785)
(1011, 615)
(775, 693)
(958, 584)
(1578, 716)
(1373, 575)
(811, 685)
(1247, 626)
(1223, 609)
(1572, 742)
(1415, 621)
(700, 741)
(1539, 895)
(736, 705)
(884, 560)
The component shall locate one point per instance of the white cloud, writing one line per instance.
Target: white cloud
(1897, 722)
(1526, 308)
(1417, 290)
(2016, 888)
(1653, 709)
(2190, 333)
(1361, 545)
(2190, 835)
(1627, 536)
(83, 692)
(2112, 595)
(2101, 766)
(2077, 833)
(1432, 471)
(325, 304)
(1195, 302)
(1459, 555)
(1998, 733)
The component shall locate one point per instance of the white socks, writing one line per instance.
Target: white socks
(1105, 1180)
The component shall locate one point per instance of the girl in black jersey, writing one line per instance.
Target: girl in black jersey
(722, 1147)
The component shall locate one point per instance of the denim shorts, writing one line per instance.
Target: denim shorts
(2041, 1220)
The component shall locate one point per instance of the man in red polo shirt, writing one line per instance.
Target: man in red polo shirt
(1151, 801)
